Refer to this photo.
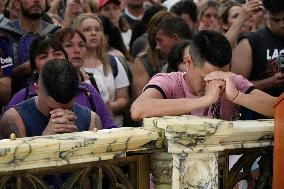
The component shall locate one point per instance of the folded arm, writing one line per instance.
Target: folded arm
(151, 103)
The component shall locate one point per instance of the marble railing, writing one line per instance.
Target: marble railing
(115, 158)
(181, 152)
(207, 153)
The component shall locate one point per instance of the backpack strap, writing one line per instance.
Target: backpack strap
(93, 81)
(90, 98)
(113, 65)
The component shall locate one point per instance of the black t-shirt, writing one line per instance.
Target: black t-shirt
(266, 47)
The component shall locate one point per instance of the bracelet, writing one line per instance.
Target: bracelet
(235, 96)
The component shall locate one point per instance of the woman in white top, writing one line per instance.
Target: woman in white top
(98, 62)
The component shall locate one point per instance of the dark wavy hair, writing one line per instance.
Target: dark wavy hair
(39, 46)
(186, 7)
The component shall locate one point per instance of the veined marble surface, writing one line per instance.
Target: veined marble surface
(195, 143)
(190, 133)
(72, 148)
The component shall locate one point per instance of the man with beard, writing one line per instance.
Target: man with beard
(17, 36)
(133, 11)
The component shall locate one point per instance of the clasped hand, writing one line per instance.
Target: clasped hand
(219, 83)
(61, 121)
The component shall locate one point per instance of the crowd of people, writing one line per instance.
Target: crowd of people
(135, 59)
(77, 65)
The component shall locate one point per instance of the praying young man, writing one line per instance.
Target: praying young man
(207, 88)
(54, 110)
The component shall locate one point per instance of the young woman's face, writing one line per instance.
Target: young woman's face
(112, 11)
(76, 50)
(92, 31)
(42, 58)
(233, 15)
(210, 18)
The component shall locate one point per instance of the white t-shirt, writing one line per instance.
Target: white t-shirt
(111, 83)
(126, 37)
(99, 81)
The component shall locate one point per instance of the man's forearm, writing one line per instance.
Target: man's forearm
(163, 107)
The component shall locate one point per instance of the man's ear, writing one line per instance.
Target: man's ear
(189, 62)
(37, 88)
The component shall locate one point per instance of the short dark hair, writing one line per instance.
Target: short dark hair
(274, 6)
(210, 46)
(60, 80)
(185, 7)
(175, 25)
(41, 44)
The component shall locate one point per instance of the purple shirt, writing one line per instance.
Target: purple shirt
(81, 99)
(173, 86)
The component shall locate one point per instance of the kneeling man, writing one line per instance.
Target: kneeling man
(54, 110)
(206, 89)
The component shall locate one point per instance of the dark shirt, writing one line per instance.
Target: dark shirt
(35, 122)
(81, 99)
(266, 47)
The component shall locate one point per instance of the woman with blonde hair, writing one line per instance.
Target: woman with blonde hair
(99, 64)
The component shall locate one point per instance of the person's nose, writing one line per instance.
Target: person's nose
(213, 19)
(77, 49)
(50, 57)
(158, 47)
(94, 32)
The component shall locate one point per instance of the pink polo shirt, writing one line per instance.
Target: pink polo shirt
(173, 86)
